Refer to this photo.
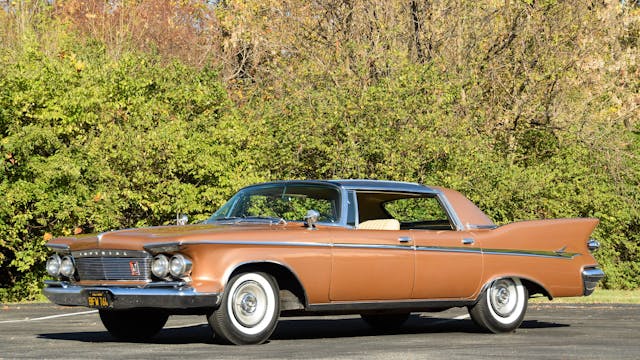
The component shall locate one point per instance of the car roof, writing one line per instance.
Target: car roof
(366, 185)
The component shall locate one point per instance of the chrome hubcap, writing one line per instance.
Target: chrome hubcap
(503, 297)
(249, 303)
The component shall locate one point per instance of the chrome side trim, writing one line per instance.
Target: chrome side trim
(374, 246)
(449, 249)
(169, 297)
(534, 253)
(411, 305)
(545, 254)
(154, 247)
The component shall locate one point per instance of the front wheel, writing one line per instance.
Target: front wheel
(502, 306)
(249, 310)
(135, 324)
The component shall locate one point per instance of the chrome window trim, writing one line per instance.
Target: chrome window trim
(457, 224)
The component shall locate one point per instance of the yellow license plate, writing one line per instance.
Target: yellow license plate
(98, 299)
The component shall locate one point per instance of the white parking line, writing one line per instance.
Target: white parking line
(443, 321)
(201, 324)
(50, 317)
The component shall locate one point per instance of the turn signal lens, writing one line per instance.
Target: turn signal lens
(179, 266)
(66, 267)
(160, 266)
(53, 265)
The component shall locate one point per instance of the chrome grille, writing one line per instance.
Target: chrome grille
(113, 268)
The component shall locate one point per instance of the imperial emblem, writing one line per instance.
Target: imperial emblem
(135, 268)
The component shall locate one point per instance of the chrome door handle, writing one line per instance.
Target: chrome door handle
(404, 239)
(468, 241)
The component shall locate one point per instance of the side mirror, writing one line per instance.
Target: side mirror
(311, 219)
(182, 219)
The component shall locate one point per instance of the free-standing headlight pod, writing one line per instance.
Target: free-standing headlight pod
(179, 266)
(53, 265)
(67, 267)
(160, 266)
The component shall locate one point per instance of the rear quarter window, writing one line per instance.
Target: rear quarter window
(425, 213)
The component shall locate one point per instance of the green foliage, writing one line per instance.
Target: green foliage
(108, 145)
(508, 102)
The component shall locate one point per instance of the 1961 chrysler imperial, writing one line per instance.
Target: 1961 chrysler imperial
(380, 249)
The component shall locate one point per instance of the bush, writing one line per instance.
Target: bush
(91, 144)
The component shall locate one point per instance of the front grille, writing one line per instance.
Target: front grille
(113, 267)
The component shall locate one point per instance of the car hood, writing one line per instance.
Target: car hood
(136, 239)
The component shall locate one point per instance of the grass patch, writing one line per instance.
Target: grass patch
(600, 296)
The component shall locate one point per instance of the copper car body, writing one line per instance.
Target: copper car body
(377, 248)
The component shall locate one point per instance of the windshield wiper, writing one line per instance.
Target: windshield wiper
(232, 219)
(271, 219)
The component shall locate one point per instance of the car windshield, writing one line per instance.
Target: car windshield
(277, 202)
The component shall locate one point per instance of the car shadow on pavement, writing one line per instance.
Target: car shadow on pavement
(305, 328)
(174, 335)
(336, 328)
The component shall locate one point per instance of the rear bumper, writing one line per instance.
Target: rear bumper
(590, 278)
(172, 296)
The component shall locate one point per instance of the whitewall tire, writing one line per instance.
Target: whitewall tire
(249, 310)
(501, 308)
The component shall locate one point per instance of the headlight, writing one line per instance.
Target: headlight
(67, 267)
(160, 266)
(53, 265)
(179, 266)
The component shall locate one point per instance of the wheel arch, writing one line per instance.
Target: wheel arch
(292, 294)
(533, 287)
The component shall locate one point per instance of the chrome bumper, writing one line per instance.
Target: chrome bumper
(169, 297)
(590, 278)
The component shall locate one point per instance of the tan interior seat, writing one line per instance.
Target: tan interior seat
(380, 224)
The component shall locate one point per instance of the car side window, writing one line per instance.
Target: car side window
(425, 213)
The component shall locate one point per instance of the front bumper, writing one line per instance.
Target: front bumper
(590, 278)
(169, 297)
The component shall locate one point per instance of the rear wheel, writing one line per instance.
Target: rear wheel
(385, 321)
(249, 310)
(502, 306)
(135, 324)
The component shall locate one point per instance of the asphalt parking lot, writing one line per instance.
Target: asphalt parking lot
(562, 331)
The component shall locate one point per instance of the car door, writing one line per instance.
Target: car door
(369, 265)
(448, 264)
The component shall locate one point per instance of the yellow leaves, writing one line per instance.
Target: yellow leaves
(79, 65)
(47, 236)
